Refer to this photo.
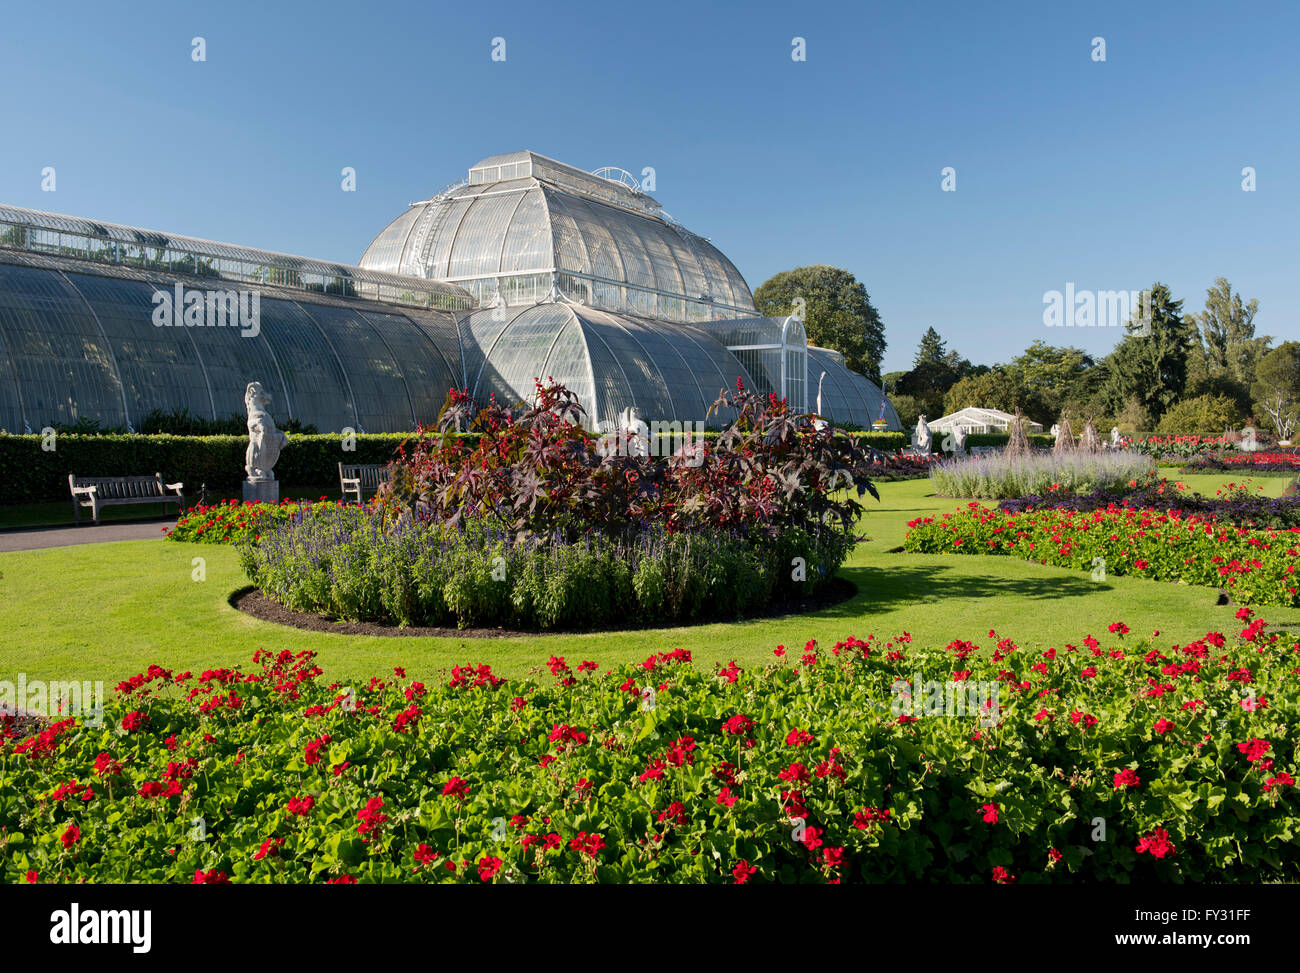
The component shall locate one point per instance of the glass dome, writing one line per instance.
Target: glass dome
(523, 225)
(527, 269)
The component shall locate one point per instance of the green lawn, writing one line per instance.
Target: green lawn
(106, 611)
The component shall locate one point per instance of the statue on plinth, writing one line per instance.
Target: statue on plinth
(264, 444)
(922, 438)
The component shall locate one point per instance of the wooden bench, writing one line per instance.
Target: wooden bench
(362, 478)
(984, 450)
(97, 492)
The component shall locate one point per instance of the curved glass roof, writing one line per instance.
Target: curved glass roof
(670, 373)
(522, 214)
(529, 269)
(79, 340)
(129, 246)
(846, 396)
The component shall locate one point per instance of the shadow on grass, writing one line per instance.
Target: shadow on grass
(884, 588)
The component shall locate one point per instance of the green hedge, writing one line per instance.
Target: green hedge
(884, 441)
(29, 474)
(1001, 439)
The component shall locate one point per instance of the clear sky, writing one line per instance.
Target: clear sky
(1107, 174)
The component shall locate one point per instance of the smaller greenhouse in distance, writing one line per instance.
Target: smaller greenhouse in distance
(980, 421)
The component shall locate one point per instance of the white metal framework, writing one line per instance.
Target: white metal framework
(524, 225)
(526, 269)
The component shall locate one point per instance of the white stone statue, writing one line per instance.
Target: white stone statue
(922, 438)
(959, 440)
(264, 440)
(1114, 436)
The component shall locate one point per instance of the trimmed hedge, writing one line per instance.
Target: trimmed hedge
(884, 441)
(29, 474)
(1001, 439)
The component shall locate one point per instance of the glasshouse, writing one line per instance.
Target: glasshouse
(527, 269)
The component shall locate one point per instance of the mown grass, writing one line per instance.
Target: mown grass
(106, 611)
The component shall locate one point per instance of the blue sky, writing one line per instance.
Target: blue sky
(1108, 174)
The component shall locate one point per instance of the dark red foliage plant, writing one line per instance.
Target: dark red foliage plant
(534, 470)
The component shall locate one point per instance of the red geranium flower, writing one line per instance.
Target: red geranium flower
(1126, 778)
(1156, 844)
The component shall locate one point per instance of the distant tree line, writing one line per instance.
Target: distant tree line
(1198, 373)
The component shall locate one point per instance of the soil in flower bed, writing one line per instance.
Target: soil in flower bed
(251, 601)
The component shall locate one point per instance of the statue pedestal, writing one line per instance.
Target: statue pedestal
(262, 491)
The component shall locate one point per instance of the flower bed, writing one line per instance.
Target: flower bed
(1286, 462)
(1000, 477)
(1137, 761)
(1233, 503)
(233, 522)
(1255, 566)
(1183, 447)
(904, 466)
(348, 563)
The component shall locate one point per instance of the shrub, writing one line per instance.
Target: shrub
(1203, 415)
(350, 563)
(1002, 476)
(1258, 567)
(816, 768)
(540, 472)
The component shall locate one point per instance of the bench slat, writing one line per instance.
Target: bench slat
(103, 491)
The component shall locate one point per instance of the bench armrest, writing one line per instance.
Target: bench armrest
(178, 487)
(88, 491)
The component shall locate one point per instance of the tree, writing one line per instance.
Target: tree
(1277, 388)
(1149, 364)
(837, 313)
(931, 352)
(1051, 376)
(891, 380)
(934, 371)
(1001, 388)
(908, 409)
(1227, 332)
